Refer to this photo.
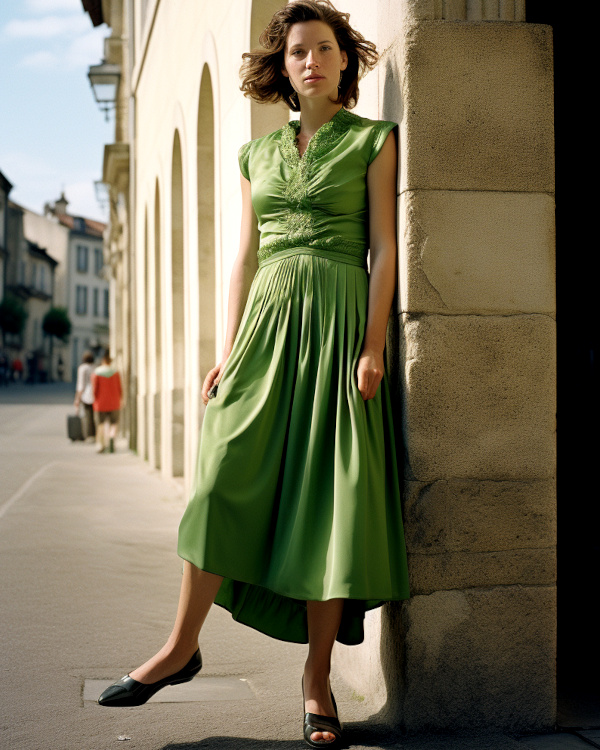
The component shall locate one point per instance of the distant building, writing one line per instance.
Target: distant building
(81, 284)
(29, 276)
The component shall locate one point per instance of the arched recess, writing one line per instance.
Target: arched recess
(265, 118)
(206, 228)
(178, 312)
(158, 347)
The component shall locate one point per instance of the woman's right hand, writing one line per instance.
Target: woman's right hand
(214, 376)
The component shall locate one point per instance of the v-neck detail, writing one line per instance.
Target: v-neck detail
(319, 143)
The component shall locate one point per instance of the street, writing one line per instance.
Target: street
(89, 587)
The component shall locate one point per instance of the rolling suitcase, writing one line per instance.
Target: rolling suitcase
(75, 427)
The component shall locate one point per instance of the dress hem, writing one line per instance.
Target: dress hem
(381, 599)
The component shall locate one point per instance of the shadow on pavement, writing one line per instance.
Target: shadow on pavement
(362, 735)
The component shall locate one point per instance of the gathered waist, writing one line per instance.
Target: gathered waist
(336, 255)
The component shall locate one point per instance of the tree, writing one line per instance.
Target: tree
(12, 316)
(56, 324)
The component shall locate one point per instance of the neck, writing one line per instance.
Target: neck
(314, 114)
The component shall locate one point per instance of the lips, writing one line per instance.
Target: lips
(309, 79)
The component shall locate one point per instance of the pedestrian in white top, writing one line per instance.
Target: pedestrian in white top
(84, 393)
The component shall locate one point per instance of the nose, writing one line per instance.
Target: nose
(311, 61)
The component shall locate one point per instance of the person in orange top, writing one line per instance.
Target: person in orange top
(106, 384)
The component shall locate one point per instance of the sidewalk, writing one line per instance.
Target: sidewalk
(88, 590)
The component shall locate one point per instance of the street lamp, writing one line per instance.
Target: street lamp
(104, 80)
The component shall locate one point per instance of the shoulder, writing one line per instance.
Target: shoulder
(372, 133)
(249, 149)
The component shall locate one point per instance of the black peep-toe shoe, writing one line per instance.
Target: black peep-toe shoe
(318, 723)
(130, 692)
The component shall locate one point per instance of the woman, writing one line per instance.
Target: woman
(84, 393)
(294, 524)
(108, 394)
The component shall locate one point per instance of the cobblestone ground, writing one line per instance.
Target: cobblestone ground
(88, 590)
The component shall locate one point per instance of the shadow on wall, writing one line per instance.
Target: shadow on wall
(392, 628)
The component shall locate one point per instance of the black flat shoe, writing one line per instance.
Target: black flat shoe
(318, 723)
(130, 692)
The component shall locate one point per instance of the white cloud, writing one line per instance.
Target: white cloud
(52, 6)
(86, 49)
(80, 52)
(42, 60)
(47, 27)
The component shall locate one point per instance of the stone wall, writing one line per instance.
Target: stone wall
(472, 357)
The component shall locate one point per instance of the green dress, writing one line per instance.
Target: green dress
(296, 493)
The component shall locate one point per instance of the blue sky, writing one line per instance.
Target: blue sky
(52, 133)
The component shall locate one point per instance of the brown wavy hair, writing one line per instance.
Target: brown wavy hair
(261, 75)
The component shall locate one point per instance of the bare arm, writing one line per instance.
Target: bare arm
(381, 184)
(243, 272)
(78, 388)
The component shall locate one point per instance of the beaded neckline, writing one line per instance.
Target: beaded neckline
(321, 141)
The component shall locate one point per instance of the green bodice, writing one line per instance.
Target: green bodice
(318, 200)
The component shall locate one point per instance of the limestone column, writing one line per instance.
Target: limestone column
(471, 354)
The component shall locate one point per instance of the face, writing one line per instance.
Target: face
(313, 60)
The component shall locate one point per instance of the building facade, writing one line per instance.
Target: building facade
(82, 286)
(471, 336)
(30, 278)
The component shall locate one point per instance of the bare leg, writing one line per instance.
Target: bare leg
(198, 592)
(323, 624)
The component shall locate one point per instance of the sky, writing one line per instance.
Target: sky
(52, 132)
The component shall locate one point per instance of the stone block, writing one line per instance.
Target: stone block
(463, 534)
(480, 658)
(479, 516)
(478, 397)
(477, 109)
(463, 570)
(476, 252)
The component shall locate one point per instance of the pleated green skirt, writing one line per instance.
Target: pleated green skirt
(296, 494)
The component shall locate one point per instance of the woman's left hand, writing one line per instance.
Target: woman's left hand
(369, 372)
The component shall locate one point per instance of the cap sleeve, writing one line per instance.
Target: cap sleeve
(381, 130)
(243, 157)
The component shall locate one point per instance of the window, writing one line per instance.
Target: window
(82, 258)
(96, 302)
(33, 275)
(81, 300)
(98, 260)
(106, 303)
(43, 278)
